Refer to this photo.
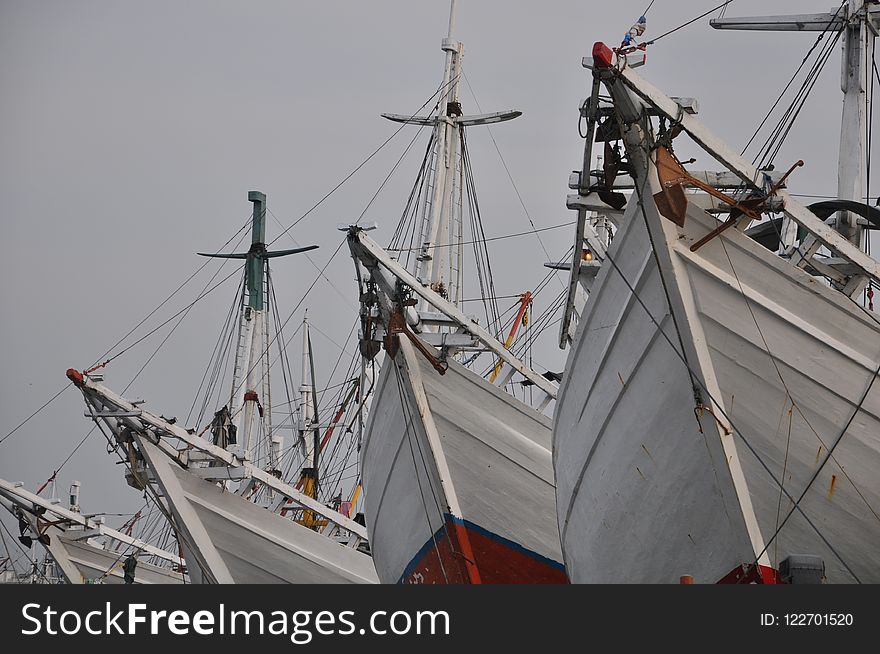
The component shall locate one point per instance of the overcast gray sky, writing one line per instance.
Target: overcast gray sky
(131, 132)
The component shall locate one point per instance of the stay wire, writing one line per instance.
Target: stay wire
(363, 163)
(788, 120)
(236, 302)
(522, 203)
(490, 239)
(178, 289)
(26, 420)
(129, 333)
(791, 81)
(183, 311)
(690, 22)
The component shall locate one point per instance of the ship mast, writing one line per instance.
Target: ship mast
(309, 430)
(252, 325)
(438, 265)
(859, 20)
(436, 224)
(250, 401)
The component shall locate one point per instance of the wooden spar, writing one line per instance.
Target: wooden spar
(796, 23)
(583, 188)
(461, 121)
(371, 254)
(525, 300)
(754, 178)
(19, 495)
(146, 421)
(341, 412)
(355, 494)
(252, 343)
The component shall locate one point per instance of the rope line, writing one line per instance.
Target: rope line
(693, 20)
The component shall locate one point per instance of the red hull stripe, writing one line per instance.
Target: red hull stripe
(751, 574)
(497, 559)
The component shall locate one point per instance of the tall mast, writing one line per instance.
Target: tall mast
(247, 406)
(858, 53)
(859, 21)
(437, 265)
(245, 398)
(308, 417)
(431, 264)
(316, 432)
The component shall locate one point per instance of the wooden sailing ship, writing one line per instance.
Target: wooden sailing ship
(237, 519)
(456, 470)
(720, 414)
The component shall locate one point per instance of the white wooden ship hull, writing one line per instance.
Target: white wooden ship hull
(232, 540)
(458, 480)
(645, 491)
(82, 561)
(94, 562)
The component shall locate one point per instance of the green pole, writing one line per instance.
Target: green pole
(256, 263)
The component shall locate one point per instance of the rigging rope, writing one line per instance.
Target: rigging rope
(828, 454)
(481, 252)
(522, 203)
(693, 20)
(27, 554)
(236, 302)
(364, 162)
(26, 420)
(793, 77)
(777, 138)
(488, 240)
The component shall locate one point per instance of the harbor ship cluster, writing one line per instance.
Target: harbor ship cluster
(717, 419)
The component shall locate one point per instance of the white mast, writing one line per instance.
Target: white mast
(447, 154)
(859, 21)
(306, 391)
(858, 51)
(431, 264)
(74, 496)
(252, 327)
(438, 264)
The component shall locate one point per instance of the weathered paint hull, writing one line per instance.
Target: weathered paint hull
(97, 563)
(81, 560)
(646, 491)
(457, 480)
(498, 560)
(231, 540)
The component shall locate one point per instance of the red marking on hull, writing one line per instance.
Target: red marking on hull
(751, 574)
(495, 562)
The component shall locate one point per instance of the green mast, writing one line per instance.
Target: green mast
(255, 270)
(251, 400)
